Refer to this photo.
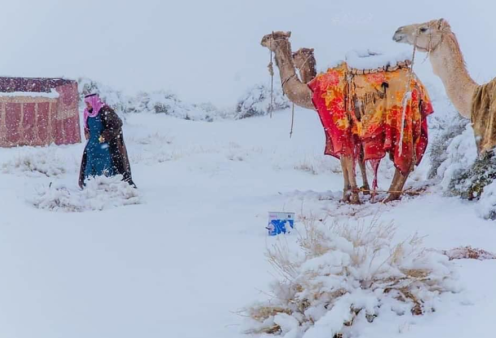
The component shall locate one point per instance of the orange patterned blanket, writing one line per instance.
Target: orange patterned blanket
(365, 110)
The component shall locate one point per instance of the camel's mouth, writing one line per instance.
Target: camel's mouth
(400, 37)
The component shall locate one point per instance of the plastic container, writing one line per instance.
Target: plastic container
(280, 223)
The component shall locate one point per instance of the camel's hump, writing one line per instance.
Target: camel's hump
(367, 59)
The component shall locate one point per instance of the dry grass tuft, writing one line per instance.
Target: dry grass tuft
(468, 252)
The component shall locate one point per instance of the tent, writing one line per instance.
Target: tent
(38, 112)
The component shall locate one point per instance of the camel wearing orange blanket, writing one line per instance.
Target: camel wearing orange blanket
(371, 112)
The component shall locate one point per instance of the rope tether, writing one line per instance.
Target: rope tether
(271, 71)
(408, 95)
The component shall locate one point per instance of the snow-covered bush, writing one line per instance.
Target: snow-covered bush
(100, 193)
(456, 164)
(452, 148)
(442, 156)
(162, 102)
(459, 156)
(486, 207)
(158, 102)
(41, 161)
(343, 276)
(257, 101)
(114, 98)
(472, 182)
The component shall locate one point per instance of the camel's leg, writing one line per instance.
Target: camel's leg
(397, 185)
(393, 186)
(365, 182)
(402, 181)
(352, 184)
(346, 181)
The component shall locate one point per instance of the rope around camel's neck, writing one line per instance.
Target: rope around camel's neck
(408, 91)
(271, 72)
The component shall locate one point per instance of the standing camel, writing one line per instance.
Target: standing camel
(301, 95)
(304, 60)
(474, 101)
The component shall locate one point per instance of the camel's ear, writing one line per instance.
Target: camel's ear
(441, 24)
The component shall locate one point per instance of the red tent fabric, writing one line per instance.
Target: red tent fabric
(38, 112)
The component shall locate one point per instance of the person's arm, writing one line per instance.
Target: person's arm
(112, 124)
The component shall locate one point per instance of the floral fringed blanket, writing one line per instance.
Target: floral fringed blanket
(365, 108)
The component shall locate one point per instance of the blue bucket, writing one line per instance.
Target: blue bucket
(280, 223)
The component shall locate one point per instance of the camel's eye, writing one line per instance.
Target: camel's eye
(423, 30)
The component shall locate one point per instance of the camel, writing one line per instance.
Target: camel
(436, 38)
(300, 94)
(306, 64)
(473, 101)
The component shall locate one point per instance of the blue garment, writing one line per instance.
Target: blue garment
(98, 159)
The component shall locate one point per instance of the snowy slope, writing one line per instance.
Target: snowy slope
(183, 261)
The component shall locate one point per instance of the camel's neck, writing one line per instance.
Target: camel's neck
(297, 92)
(284, 60)
(447, 63)
(308, 69)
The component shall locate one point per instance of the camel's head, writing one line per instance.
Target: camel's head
(271, 40)
(302, 56)
(426, 36)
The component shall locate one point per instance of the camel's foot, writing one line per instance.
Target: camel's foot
(351, 197)
(365, 189)
(354, 198)
(392, 197)
(346, 194)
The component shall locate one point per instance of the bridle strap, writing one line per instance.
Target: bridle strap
(432, 49)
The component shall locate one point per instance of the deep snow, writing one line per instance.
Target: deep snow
(191, 254)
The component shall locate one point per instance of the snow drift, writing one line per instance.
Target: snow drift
(99, 194)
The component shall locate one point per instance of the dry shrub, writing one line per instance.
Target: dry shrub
(339, 274)
(468, 252)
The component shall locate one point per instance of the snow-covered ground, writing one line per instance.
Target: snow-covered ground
(187, 254)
